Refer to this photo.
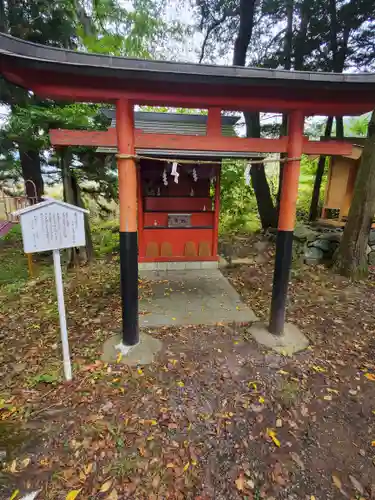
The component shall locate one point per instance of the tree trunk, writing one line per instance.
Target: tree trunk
(89, 248)
(301, 35)
(245, 30)
(314, 205)
(351, 258)
(31, 173)
(266, 208)
(72, 195)
(3, 24)
(339, 127)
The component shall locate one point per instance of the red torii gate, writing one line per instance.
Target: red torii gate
(63, 74)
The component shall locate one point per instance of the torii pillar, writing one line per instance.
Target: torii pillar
(287, 219)
(127, 188)
(281, 336)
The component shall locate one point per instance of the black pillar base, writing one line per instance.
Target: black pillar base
(283, 260)
(129, 287)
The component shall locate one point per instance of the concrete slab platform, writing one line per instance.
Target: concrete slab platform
(191, 297)
(141, 354)
(292, 341)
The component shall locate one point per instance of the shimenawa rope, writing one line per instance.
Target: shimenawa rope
(122, 156)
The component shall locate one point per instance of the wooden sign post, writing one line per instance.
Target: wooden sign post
(54, 225)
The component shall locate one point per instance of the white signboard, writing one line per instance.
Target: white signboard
(53, 225)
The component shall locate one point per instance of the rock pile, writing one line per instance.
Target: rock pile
(319, 244)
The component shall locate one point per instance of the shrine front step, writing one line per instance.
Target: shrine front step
(177, 266)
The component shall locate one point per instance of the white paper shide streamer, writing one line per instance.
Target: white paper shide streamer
(247, 174)
(164, 177)
(195, 174)
(174, 172)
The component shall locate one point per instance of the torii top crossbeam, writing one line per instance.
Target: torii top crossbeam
(60, 73)
(63, 74)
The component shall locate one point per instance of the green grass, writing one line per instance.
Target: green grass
(13, 262)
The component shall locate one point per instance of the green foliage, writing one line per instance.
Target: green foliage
(104, 26)
(238, 205)
(45, 378)
(306, 183)
(357, 127)
(105, 236)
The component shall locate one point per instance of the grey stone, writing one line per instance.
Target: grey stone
(141, 354)
(325, 245)
(314, 253)
(238, 261)
(222, 262)
(331, 236)
(368, 249)
(3, 456)
(291, 341)
(303, 233)
(261, 246)
(373, 247)
(371, 237)
(371, 258)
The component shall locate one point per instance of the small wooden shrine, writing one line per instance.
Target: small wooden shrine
(342, 174)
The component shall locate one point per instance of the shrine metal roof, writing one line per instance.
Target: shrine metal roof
(178, 123)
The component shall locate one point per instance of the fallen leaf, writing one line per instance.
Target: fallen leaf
(335, 391)
(319, 369)
(370, 376)
(156, 482)
(106, 486)
(113, 495)
(336, 482)
(25, 462)
(186, 466)
(14, 494)
(297, 459)
(357, 485)
(88, 469)
(272, 434)
(250, 483)
(180, 384)
(73, 494)
(240, 482)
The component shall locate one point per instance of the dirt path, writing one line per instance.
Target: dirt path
(214, 418)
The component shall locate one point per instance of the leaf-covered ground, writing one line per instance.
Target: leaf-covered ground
(214, 418)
